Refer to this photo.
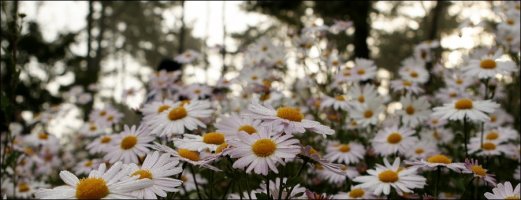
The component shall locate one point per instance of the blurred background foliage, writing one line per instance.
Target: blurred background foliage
(138, 29)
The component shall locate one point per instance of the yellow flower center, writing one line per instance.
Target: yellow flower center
(510, 21)
(93, 127)
(419, 151)
(513, 197)
(414, 74)
(128, 142)
(409, 110)
(221, 147)
(407, 83)
(487, 64)
(197, 91)
(368, 113)
(213, 138)
(394, 138)
(264, 147)
(102, 113)
(463, 104)
(162, 108)
(190, 155)
(110, 118)
(478, 170)
(91, 188)
(184, 178)
(361, 99)
(43, 136)
(23, 187)
(264, 97)
(143, 173)
(88, 163)
(492, 135)
(177, 113)
(248, 129)
(459, 81)
(105, 139)
(493, 118)
(340, 98)
(254, 77)
(360, 72)
(388, 176)
(436, 135)
(356, 193)
(313, 151)
(453, 94)
(290, 113)
(439, 159)
(488, 146)
(344, 148)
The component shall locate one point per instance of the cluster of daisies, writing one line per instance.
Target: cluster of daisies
(343, 132)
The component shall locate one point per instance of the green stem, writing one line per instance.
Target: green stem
(436, 192)
(465, 189)
(195, 181)
(466, 135)
(280, 185)
(230, 184)
(268, 185)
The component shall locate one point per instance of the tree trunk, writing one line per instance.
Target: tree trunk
(362, 27)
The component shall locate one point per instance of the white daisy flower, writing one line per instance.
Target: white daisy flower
(364, 69)
(401, 85)
(489, 66)
(350, 153)
(348, 172)
(488, 148)
(356, 192)
(234, 124)
(414, 73)
(435, 122)
(447, 94)
(198, 143)
(113, 183)
(196, 91)
(438, 135)
(498, 134)
(180, 116)
(393, 140)
(438, 160)
(415, 110)
(360, 93)
(422, 150)
(297, 192)
(498, 118)
(382, 178)
(24, 189)
(472, 109)
(504, 191)
(261, 152)
(457, 80)
(91, 129)
(100, 144)
(158, 168)
(154, 108)
(287, 119)
(192, 157)
(367, 113)
(338, 102)
(187, 57)
(41, 139)
(85, 166)
(474, 168)
(129, 145)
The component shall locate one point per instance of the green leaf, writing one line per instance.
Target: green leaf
(11, 158)
(262, 196)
